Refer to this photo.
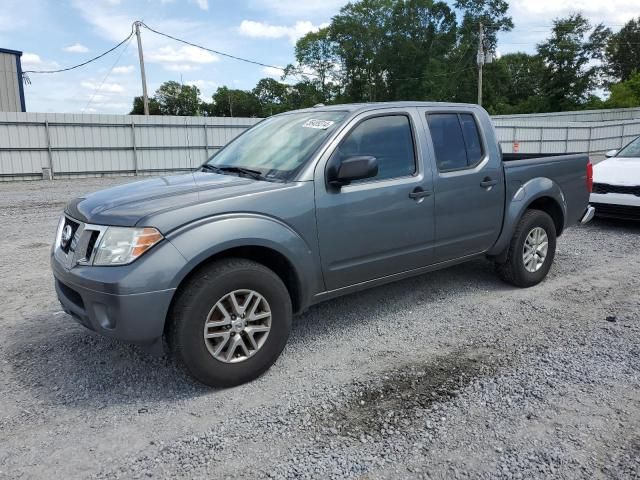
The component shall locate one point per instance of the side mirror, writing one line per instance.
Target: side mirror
(353, 168)
(611, 153)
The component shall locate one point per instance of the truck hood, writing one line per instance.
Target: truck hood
(126, 205)
(618, 171)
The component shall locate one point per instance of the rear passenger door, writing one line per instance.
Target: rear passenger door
(468, 184)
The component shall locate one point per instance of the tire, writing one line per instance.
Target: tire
(203, 299)
(514, 270)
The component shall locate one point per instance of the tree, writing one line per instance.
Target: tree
(625, 94)
(422, 36)
(316, 52)
(514, 84)
(569, 54)
(272, 96)
(138, 107)
(623, 51)
(235, 103)
(176, 99)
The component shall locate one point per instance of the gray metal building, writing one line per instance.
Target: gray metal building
(11, 87)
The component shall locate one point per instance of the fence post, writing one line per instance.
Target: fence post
(135, 150)
(566, 140)
(541, 139)
(589, 140)
(622, 142)
(206, 141)
(49, 152)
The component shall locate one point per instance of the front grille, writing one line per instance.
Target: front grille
(82, 246)
(74, 229)
(606, 188)
(617, 211)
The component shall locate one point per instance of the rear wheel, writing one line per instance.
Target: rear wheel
(230, 322)
(531, 251)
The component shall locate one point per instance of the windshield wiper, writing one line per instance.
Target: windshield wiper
(230, 169)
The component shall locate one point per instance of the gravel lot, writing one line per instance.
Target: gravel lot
(449, 375)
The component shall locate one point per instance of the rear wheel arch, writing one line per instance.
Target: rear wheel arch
(551, 207)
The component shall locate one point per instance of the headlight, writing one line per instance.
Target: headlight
(121, 245)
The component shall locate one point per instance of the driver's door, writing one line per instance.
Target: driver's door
(378, 226)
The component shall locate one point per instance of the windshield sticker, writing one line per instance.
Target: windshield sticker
(319, 124)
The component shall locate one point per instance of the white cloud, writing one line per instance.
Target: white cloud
(186, 54)
(202, 4)
(250, 28)
(273, 72)
(207, 87)
(123, 70)
(297, 8)
(105, 87)
(31, 59)
(76, 48)
(181, 67)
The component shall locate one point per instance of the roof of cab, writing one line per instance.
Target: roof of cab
(358, 107)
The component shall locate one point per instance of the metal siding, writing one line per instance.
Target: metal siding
(9, 86)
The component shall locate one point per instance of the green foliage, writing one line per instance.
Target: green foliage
(625, 94)
(623, 51)
(176, 99)
(234, 103)
(138, 107)
(571, 75)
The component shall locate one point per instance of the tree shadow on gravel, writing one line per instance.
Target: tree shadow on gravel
(405, 295)
(70, 365)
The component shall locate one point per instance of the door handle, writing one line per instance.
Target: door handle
(488, 182)
(419, 193)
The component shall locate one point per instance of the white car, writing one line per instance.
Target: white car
(616, 183)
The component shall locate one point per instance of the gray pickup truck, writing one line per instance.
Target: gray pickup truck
(303, 207)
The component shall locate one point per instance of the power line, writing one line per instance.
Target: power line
(83, 63)
(95, 92)
(217, 52)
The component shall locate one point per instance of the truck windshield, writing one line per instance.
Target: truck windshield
(631, 150)
(277, 147)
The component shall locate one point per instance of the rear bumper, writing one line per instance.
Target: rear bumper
(588, 215)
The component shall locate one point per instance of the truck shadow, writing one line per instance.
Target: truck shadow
(68, 365)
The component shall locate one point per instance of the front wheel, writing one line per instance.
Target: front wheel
(230, 322)
(531, 251)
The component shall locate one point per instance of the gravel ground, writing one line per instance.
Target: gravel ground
(449, 375)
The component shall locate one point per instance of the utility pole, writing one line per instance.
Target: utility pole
(145, 96)
(480, 62)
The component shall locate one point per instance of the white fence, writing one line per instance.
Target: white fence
(592, 137)
(93, 145)
(77, 145)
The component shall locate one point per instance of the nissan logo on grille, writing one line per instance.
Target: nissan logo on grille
(67, 232)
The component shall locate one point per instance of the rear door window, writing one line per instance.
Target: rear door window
(456, 140)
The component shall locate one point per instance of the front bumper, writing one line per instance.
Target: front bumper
(616, 205)
(129, 302)
(135, 318)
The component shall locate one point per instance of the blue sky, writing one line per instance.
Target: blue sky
(58, 33)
